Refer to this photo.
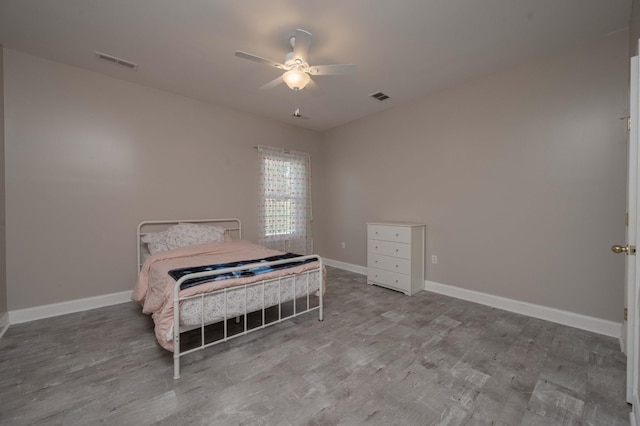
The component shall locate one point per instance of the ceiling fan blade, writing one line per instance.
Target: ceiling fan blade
(301, 45)
(251, 57)
(272, 84)
(337, 69)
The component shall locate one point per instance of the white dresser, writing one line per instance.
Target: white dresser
(395, 255)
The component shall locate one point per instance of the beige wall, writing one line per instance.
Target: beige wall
(89, 156)
(3, 268)
(634, 28)
(519, 176)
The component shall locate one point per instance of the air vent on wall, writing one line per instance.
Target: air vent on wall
(118, 61)
(379, 96)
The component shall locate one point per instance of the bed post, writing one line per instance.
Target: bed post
(176, 329)
(321, 286)
(176, 366)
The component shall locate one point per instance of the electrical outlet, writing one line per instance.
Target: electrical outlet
(434, 259)
(344, 245)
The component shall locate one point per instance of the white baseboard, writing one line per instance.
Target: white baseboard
(572, 319)
(362, 270)
(46, 311)
(583, 322)
(4, 324)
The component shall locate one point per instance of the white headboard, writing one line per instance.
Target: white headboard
(232, 227)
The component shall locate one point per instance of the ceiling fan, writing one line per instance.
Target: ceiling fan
(298, 72)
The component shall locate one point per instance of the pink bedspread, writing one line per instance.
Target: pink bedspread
(154, 289)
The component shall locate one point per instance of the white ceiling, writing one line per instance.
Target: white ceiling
(404, 48)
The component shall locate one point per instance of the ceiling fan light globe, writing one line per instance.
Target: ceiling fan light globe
(296, 79)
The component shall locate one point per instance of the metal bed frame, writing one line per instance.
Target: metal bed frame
(235, 227)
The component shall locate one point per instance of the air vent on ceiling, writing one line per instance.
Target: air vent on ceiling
(118, 61)
(379, 96)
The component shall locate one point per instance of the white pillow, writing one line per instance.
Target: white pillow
(188, 234)
(156, 242)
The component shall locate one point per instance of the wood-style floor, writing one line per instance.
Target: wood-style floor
(378, 358)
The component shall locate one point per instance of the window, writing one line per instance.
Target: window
(285, 200)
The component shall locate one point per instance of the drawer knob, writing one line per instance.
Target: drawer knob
(397, 235)
(397, 250)
(396, 266)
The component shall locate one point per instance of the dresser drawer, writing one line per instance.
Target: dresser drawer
(389, 279)
(399, 234)
(393, 264)
(388, 248)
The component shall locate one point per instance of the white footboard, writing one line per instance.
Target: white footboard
(258, 296)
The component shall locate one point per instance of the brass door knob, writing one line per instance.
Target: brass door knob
(619, 249)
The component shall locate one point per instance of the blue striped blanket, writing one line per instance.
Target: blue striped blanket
(258, 270)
